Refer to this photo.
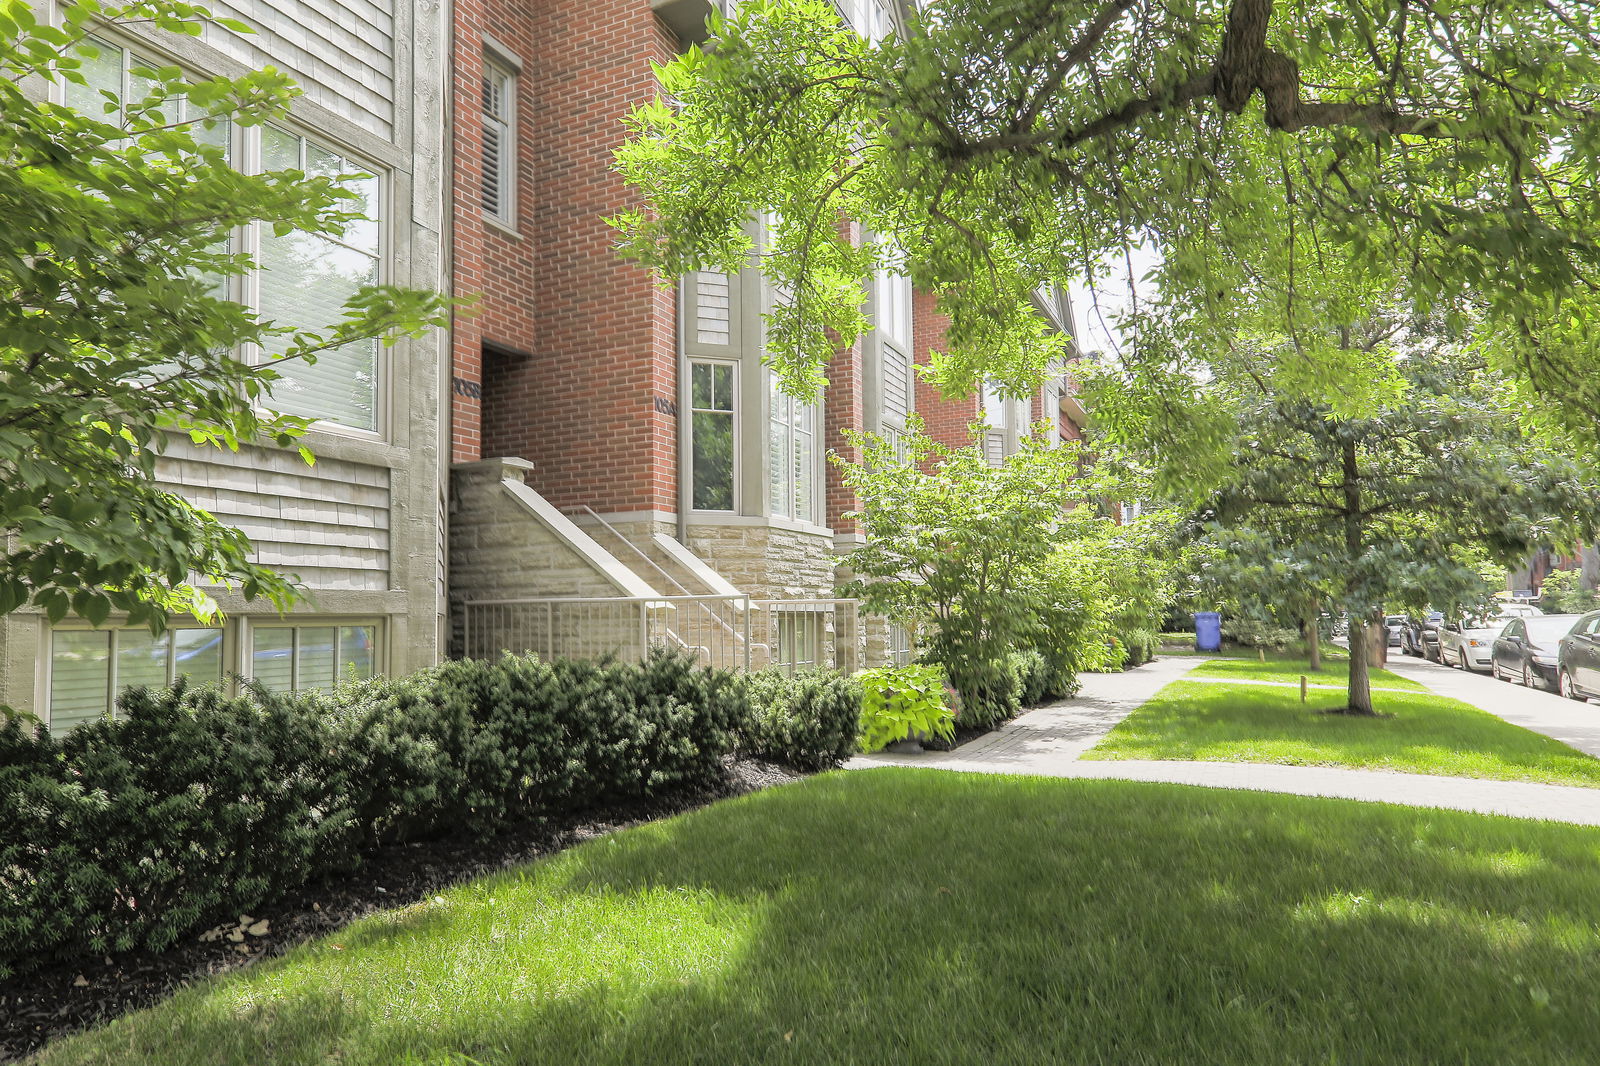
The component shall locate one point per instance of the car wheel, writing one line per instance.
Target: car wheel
(1527, 676)
(1567, 688)
(1464, 664)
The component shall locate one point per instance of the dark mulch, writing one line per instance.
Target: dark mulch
(48, 1003)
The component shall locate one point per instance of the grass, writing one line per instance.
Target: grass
(1332, 673)
(1420, 733)
(1182, 644)
(924, 917)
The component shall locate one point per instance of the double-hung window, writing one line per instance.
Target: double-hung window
(499, 184)
(712, 433)
(996, 421)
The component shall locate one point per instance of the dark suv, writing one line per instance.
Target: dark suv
(1420, 636)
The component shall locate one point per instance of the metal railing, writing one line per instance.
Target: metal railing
(788, 634)
(721, 612)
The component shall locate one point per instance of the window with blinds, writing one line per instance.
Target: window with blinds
(89, 667)
(897, 395)
(304, 281)
(499, 143)
(292, 658)
(792, 455)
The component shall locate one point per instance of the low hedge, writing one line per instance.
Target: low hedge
(809, 721)
(193, 805)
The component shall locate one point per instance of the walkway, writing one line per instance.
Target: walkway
(1573, 723)
(1049, 741)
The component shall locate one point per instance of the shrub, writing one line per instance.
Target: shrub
(809, 721)
(192, 804)
(1139, 646)
(1033, 676)
(899, 702)
(987, 691)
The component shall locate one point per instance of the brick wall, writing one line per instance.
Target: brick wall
(582, 344)
(945, 420)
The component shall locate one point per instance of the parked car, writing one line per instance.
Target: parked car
(1469, 643)
(1394, 623)
(1528, 649)
(1520, 610)
(1578, 661)
(1420, 636)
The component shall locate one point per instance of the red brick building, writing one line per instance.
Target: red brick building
(614, 438)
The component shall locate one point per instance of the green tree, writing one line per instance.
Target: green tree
(1288, 159)
(1563, 593)
(115, 330)
(1404, 503)
(954, 548)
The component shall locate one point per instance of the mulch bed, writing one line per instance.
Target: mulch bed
(48, 1003)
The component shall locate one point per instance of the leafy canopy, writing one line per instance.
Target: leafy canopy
(1400, 505)
(116, 333)
(1290, 160)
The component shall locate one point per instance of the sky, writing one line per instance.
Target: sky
(1096, 308)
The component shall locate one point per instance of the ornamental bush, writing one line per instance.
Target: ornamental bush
(809, 721)
(193, 805)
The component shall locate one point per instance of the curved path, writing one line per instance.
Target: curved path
(1048, 742)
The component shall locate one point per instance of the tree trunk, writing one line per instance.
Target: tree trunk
(1313, 636)
(1360, 697)
(1378, 650)
(1359, 700)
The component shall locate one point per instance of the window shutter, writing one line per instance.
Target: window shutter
(713, 307)
(896, 382)
(499, 151)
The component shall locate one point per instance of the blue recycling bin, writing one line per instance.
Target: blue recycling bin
(1207, 631)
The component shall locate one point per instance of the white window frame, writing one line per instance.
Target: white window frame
(734, 419)
(786, 414)
(244, 150)
(250, 163)
(247, 643)
(46, 689)
(505, 213)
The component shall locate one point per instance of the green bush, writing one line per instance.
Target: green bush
(1034, 676)
(1139, 646)
(900, 702)
(193, 805)
(989, 692)
(809, 721)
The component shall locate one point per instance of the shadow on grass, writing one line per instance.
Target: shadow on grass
(916, 916)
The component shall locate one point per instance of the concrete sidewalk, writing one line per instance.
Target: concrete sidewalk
(1049, 742)
(1058, 732)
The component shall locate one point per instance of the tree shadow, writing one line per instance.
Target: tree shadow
(922, 916)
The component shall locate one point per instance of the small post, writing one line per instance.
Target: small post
(1261, 653)
(1302, 688)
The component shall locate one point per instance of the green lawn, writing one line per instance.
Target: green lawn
(1420, 733)
(1332, 673)
(913, 916)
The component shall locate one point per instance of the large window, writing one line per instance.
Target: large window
(499, 143)
(711, 431)
(291, 658)
(304, 279)
(792, 455)
(88, 667)
(893, 308)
